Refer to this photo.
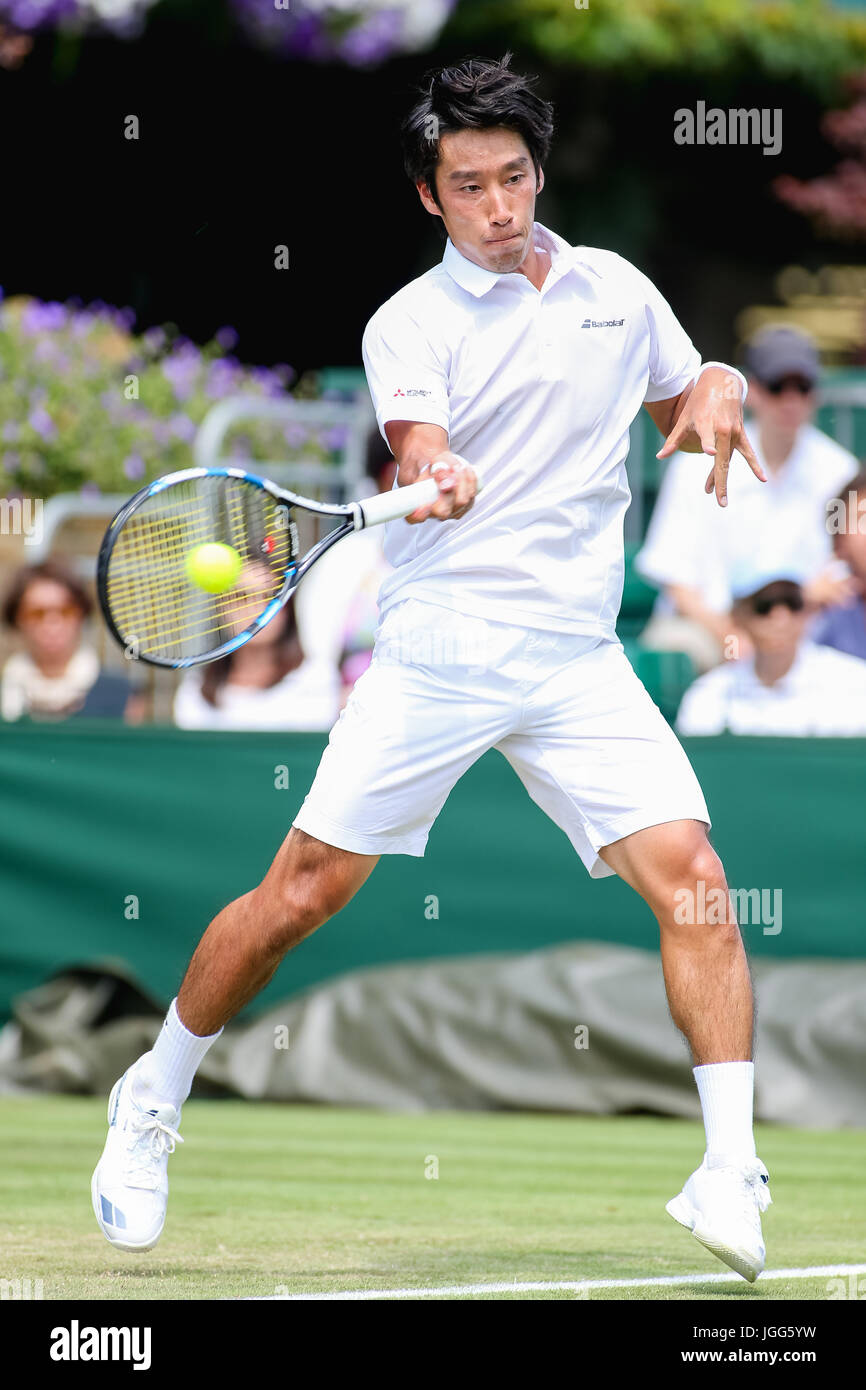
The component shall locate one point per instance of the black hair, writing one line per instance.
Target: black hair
(287, 654)
(478, 94)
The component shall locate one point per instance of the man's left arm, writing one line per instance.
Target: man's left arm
(707, 418)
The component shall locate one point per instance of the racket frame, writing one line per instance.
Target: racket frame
(356, 515)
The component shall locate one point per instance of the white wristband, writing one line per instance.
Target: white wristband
(725, 367)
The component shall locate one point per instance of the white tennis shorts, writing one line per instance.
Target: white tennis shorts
(566, 711)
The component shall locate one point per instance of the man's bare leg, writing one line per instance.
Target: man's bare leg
(705, 968)
(710, 998)
(307, 883)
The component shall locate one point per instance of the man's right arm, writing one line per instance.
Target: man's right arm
(421, 451)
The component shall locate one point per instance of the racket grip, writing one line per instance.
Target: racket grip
(400, 501)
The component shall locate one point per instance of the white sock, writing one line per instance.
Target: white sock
(165, 1074)
(727, 1092)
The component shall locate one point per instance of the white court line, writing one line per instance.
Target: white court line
(572, 1286)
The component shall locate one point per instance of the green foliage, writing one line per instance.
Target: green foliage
(807, 40)
(86, 405)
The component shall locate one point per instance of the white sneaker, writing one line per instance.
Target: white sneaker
(130, 1182)
(722, 1209)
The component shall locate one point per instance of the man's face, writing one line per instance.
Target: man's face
(486, 184)
(785, 404)
(772, 619)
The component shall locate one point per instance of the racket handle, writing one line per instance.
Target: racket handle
(400, 501)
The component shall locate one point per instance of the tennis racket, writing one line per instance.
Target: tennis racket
(155, 609)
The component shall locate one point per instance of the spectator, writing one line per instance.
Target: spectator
(843, 625)
(787, 685)
(338, 607)
(693, 547)
(268, 683)
(57, 675)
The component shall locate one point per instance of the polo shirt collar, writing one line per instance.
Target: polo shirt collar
(477, 281)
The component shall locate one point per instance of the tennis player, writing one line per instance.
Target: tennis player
(527, 358)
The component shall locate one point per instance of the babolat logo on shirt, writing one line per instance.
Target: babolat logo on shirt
(411, 391)
(602, 323)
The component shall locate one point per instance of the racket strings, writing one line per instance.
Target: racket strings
(156, 607)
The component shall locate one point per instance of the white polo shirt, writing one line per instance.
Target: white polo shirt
(538, 388)
(691, 540)
(824, 693)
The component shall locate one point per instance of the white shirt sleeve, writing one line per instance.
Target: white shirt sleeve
(407, 380)
(674, 361)
(703, 707)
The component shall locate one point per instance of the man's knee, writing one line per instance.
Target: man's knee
(694, 893)
(308, 883)
(682, 873)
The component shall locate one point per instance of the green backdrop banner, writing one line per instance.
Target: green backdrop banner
(120, 844)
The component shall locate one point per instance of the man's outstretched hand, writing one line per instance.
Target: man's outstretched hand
(711, 422)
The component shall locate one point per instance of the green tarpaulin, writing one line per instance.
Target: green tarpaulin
(121, 844)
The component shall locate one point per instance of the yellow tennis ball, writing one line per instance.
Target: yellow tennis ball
(213, 567)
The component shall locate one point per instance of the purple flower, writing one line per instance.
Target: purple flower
(182, 427)
(295, 436)
(268, 380)
(11, 461)
(43, 318)
(133, 466)
(180, 370)
(224, 376)
(90, 490)
(82, 324)
(154, 339)
(227, 338)
(11, 431)
(336, 437)
(42, 423)
(373, 39)
(26, 14)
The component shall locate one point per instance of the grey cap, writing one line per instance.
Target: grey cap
(750, 578)
(778, 352)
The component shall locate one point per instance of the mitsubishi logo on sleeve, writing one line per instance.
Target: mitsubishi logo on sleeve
(411, 391)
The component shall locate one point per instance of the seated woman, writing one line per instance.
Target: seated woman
(266, 684)
(57, 674)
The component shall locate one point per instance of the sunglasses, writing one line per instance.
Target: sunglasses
(790, 383)
(38, 615)
(762, 606)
